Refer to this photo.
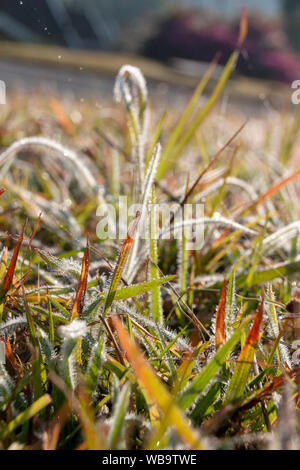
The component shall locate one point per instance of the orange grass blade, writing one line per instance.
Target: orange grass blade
(243, 27)
(81, 288)
(124, 253)
(17, 366)
(34, 230)
(272, 190)
(154, 389)
(220, 336)
(63, 119)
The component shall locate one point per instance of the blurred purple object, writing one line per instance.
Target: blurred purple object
(263, 54)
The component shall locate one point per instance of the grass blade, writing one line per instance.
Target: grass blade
(8, 279)
(240, 376)
(95, 365)
(187, 112)
(193, 391)
(125, 250)
(154, 389)
(220, 335)
(168, 161)
(156, 305)
(81, 289)
(118, 417)
(25, 416)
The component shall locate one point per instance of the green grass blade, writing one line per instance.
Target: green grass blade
(187, 112)
(138, 289)
(193, 391)
(168, 161)
(124, 253)
(117, 426)
(156, 305)
(25, 416)
(94, 368)
(239, 379)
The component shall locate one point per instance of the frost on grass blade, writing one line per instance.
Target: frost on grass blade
(245, 360)
(75, 329)
(130, 88)
(156, 303)
(216, 219)
(124, 253)
(81, 288)
(146, 198)
(84, 175)
(155, 390)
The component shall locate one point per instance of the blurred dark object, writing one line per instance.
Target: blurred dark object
(186, 35)
(291, 10)
(89, 24)
(46, 21)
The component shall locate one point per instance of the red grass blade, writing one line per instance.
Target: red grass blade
(7, 283)
(25, 276)
(253, 335)
(220, 336)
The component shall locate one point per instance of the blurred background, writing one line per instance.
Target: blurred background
(171, 40)
(164, 30)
